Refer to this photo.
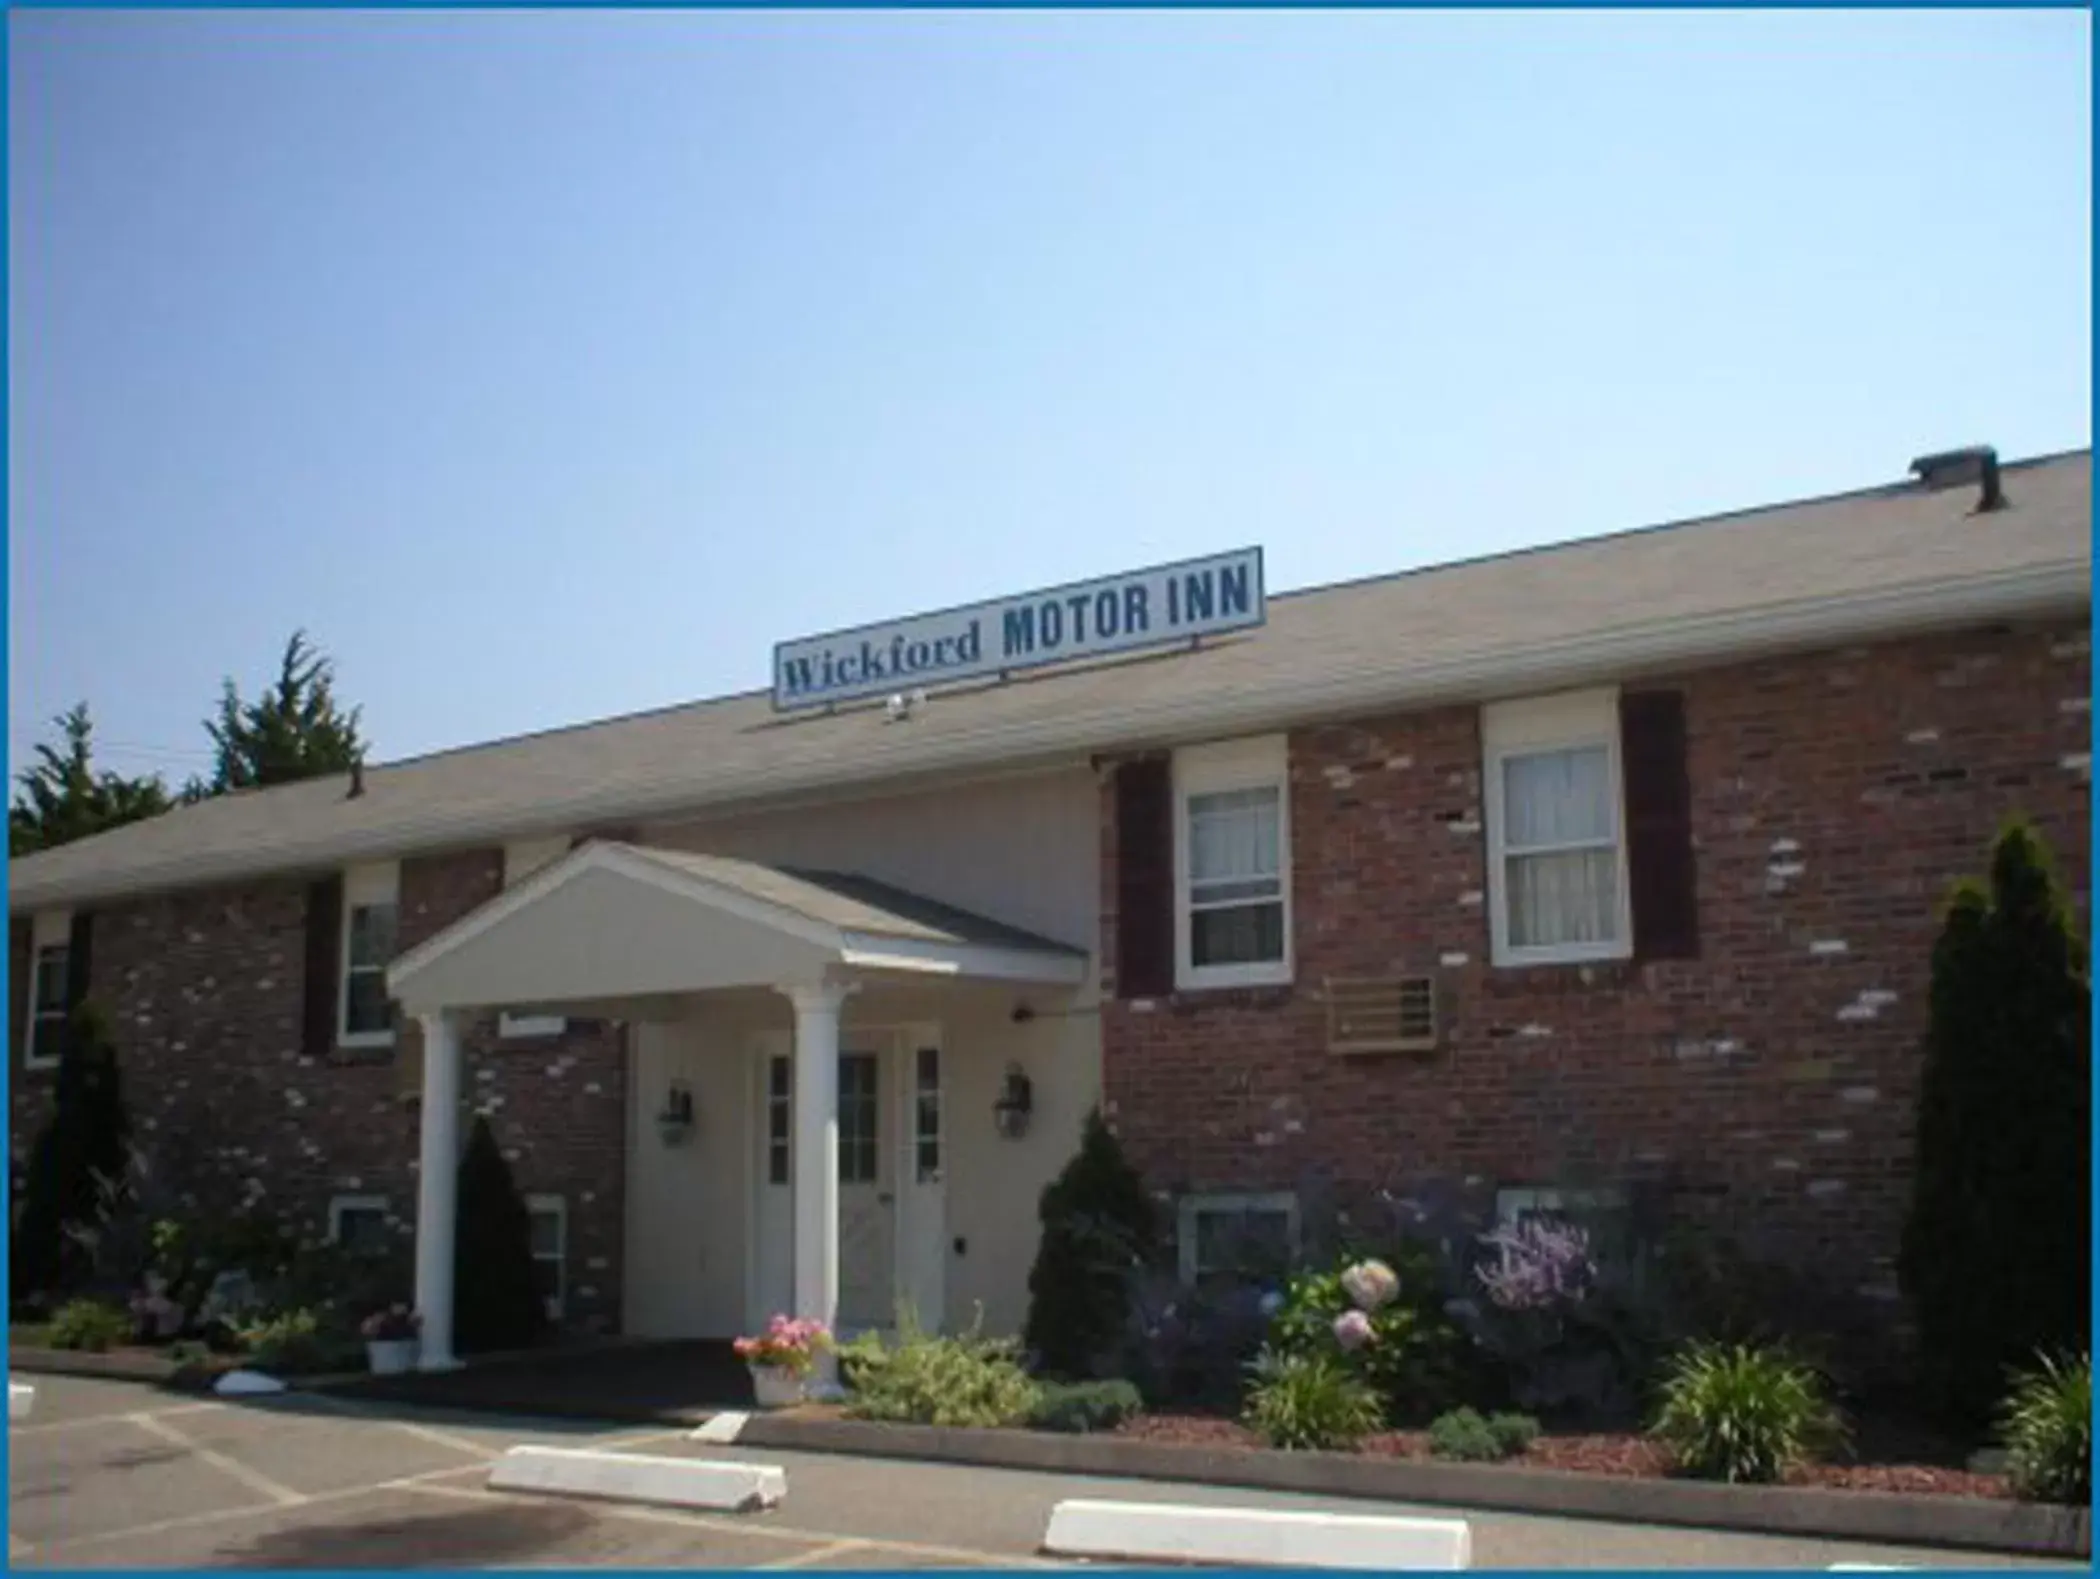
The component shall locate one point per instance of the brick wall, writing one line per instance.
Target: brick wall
(1770, 1081)
(205, 991)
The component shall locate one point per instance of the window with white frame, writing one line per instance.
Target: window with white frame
(521, 859)
(1557, 886)
(780, 1097)
(1232, 864)
(1237, 1238)
(44, 1038)
(550, 1250)
(370, 921)
(358, 1224)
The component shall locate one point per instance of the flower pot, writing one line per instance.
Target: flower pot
(775, 1386)
(392, 1356)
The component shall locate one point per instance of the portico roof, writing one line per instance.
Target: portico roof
(613, 920)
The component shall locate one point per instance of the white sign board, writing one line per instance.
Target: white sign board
(1088, 619)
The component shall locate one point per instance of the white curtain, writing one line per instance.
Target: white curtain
(1234, 845)
(1552, 800)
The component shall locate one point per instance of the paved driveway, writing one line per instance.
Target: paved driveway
(116, 1474)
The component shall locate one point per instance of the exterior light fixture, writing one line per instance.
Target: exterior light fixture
(674, 1125)
(1015, 1102)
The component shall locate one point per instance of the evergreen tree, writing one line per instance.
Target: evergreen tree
(292, 731)
(496, 1302)
(86, 1140)
(63, 798)
(1097, 1230)
(1996, 1253)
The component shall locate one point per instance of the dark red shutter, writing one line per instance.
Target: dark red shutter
(1145, 878)
(80, 967)
(21, 969)
(324, 947)
(1659, 825)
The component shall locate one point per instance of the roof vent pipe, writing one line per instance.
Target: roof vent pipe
(1957, 468)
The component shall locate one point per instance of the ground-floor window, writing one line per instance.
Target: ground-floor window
(1236, 1238)
(550, 1250)
(358, 1223)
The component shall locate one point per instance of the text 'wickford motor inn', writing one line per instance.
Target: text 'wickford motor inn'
(1146, 608)
(1610, 867)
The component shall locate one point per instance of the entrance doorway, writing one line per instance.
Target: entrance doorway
(892, 1202)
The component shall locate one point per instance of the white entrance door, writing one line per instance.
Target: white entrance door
(867, 1184)
(867, 1193)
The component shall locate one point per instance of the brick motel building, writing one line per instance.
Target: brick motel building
(1616, 861)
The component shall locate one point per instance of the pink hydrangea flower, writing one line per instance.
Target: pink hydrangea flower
(1352, 1330)
(1371, 1285)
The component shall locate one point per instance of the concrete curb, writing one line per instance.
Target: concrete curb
(639, 1477)
(1256, 1537)
(1971, 1523)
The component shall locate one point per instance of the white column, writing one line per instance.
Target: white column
(816, 1190)
(437, 1195)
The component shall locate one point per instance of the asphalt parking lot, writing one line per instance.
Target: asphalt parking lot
(122, 1475)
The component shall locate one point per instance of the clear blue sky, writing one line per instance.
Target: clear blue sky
(553, 365)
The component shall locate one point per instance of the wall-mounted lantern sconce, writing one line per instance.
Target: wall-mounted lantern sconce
(674, 1125)
(1016, 1101)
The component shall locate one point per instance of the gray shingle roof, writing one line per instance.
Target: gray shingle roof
(1853, 565)
(850, 902)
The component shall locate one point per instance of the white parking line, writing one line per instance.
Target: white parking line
(837, 1548)
(358, 1411)
(192, 1521)
(702, 1521)
(46, 1427)
(253, 1479)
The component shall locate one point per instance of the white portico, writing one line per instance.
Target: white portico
(638, 933)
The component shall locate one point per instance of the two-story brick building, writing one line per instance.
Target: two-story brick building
(1617, 859)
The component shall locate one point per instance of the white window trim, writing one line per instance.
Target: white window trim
(339, 1205)
(51, 929)
(1194, 1206)
(1262, 763)
(363, 885)
(1510, 1202)
(1553, 723)
(558, 1207)
(521, 859)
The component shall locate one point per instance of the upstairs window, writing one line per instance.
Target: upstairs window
(370, 930)
(1232, 859)
(49, 992)
(1556, 848)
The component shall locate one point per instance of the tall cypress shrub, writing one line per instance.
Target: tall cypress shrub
(87, 1136)
(1996, 1253)
(495, 1305)
(1097, 1228)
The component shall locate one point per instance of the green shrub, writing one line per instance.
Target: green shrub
(1310, 1402)
(1738, 1412)
(497, 1299)
(1514, 1432)
(301, 1342)
(1463, 1434)
(921, 1379)
(1084, 1406)
(1470, 1437)
(1997, 1248)
(1097, 1225)
(83, 1149)
(89, 1325)
(2046, 1425)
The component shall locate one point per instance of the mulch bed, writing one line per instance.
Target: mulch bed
(1594, 1454)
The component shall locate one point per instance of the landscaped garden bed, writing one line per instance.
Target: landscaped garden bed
(1594, 1453)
